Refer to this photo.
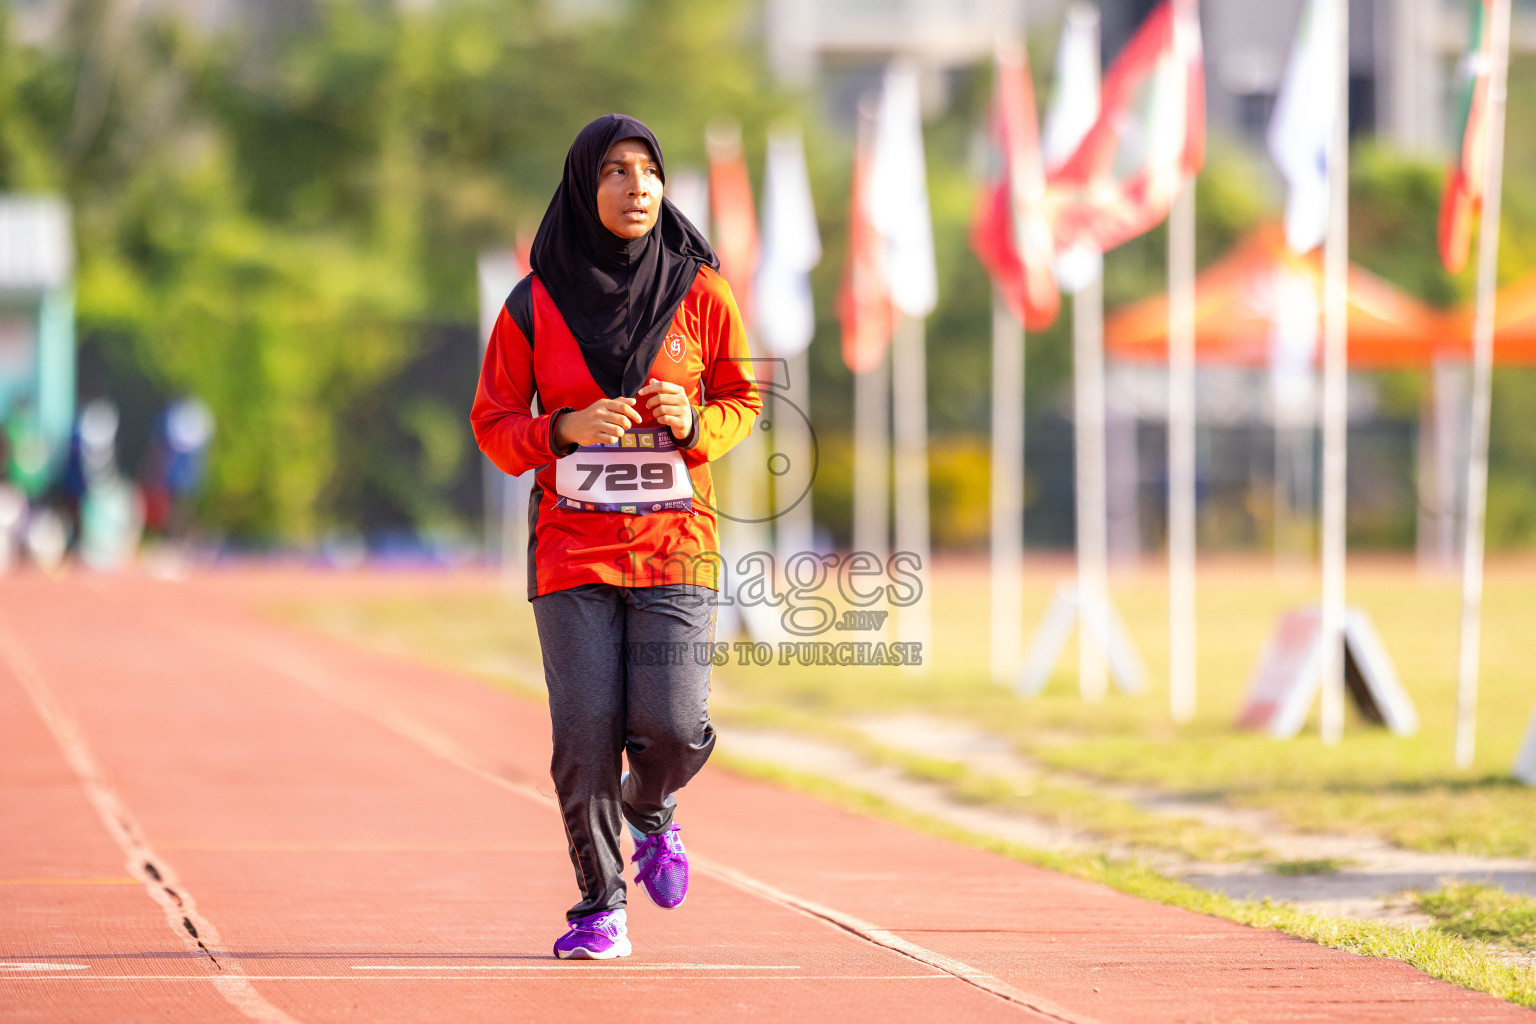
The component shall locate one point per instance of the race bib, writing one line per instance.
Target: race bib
(643, 473)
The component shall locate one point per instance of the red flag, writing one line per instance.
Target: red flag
(1463, 197)
(864, 299)
(1149, 136)
(730, 199)
(1010, 234)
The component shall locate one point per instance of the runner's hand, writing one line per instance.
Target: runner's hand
(669, 405)
(602, 422)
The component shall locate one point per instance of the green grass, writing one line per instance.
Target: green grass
(1483, 912)
(1319, 866)
(1074, 807)
(1405, 790)
(1448, 957)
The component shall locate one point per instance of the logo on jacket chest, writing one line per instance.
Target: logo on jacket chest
(675, 346)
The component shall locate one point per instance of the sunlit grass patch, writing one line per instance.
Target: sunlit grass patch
(1449, 957)
(1074, 807)
(1483, 912)
(1405, 790)
(1317, 866)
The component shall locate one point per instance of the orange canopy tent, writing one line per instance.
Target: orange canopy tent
(1514, 325)
(1238, 305)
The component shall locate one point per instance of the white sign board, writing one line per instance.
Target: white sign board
(1525, 761)
(1051, 637)
(1289, 677)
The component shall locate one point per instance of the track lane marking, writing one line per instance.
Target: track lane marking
(70, 881)
(305, 671)
(546, 967)
(159, 880)
(599, 968)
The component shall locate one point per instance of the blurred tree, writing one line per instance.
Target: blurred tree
(284, 220)
(276, 220)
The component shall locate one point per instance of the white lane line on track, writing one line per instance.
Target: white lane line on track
(305, 671)
(160, 880)
(44, 967)
(556, 967)
(551, 972)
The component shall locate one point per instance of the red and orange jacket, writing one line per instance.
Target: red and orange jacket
(705, 352)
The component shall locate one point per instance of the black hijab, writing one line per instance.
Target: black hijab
(618, 296)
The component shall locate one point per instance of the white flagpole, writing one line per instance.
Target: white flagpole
(1007, 576)
(909, 412)
(1335, 395)
(1092, 493)
(898, 208)
(871, 460)
(506, 497)
(794, 530)
(1482, 397)
(787, 325)
(1072, 113)
(871, 412)
(1181, 455)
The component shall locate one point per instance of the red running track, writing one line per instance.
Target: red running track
(207, 816)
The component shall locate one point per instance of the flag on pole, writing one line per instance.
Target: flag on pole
(1463, 196)
(734, 237)
(1072, 112)
(864, 298)
(1075, 98)
(1302, 125)
(1010, 233)
(897, 200)
(897, 206)
(688, 189)
(1149, 136)
(786, 318)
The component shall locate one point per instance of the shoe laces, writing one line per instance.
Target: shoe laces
(659, 852)
(604, 922)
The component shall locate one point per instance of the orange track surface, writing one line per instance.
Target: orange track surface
(363, 839)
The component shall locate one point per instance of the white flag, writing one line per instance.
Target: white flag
(1074, 105)
(1305, 114)
(688, 189)
(786, 319)
(1073, 109)
(897, 201)
(497, 271)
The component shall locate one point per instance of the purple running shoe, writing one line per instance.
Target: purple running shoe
(602, 936)
(663, 867)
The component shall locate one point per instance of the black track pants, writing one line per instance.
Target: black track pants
(624, 676)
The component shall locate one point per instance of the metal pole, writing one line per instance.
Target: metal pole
(1482, 393)
(1181, 455)
(871, 460)
(1007, 577)
(794, 530)
(1335, 393)
(909, 413)
(1092, 528)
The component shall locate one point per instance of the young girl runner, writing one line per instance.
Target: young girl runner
(629, 337)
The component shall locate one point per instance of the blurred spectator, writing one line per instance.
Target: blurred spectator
(109, 508)
(47, 538)
(174, 467)
(26, 464)
(13, 514)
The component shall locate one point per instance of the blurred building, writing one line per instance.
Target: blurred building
(37, 333)
(41, 21)
(1402, 52)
